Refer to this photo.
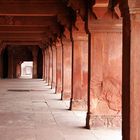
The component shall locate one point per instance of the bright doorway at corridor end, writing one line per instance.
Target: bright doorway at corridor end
(27, 70)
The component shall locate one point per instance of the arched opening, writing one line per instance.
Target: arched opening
(26, 69)
(13, 58)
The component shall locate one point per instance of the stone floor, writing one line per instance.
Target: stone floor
(29, 110)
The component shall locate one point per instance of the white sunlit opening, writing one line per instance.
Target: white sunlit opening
(27, 69)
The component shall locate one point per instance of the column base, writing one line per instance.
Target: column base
(66, 95)
(59, 89)
(49, 83)
(103, 121)
(79, 105)
(53, 85)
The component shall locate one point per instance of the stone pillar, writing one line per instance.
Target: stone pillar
(35, 55)
(43, 53)
(50, 70)
(45, 69)
(131, 70)
(105, 67)
(10, 63)
(59, 66)
(44, 64)
(14, 67)
(67, 66)
(79, 66)
(47, 65)
(18, 69)
(1, 64)
(54, 66)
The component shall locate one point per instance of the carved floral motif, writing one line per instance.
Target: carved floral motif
(7, 20)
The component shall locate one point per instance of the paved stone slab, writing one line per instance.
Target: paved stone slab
(37, 113)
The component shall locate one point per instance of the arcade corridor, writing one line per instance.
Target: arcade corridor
(84, 79)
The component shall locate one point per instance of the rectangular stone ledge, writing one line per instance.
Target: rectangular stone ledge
(78, 105)
(104, 121)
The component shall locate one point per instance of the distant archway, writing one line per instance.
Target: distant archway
(26, 69)
(14, 56)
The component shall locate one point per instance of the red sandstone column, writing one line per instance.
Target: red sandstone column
(58, 66)
(18, 70)
(105, 68)
(50, 66)
(1, 64)
(67, 66)
(44, 64)
(43, 52)
(131, 70)
(47, 65)
(45, 69)
(35, 55)
(14, 67)
(10, 63)
(53, 66)
(80, 66)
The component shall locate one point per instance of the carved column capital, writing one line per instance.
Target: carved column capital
(105, 17)
(134, 5)
(58, 43)
(78, 5)
(130, 10)
(79, 31)
(105, 9)
(64, 20)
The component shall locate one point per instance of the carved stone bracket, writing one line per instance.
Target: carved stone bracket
(79, 5)
(9, 20)
(66, 35)
(106, 9)
(79, 31)
(105, 16)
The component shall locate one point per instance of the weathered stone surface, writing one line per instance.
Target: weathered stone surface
(67, 65)
(38, 114)
(80, 66)
(131, 69)
(53, 66)
(106, 67)
(59, 67)
(106, 121)
(106, 76)
(50, 66)
(35, 56)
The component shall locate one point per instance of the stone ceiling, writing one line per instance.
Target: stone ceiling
(33, 21)
(43, 21)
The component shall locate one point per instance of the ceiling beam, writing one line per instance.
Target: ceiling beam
(32, 8)
(22, 28)
(27, 21)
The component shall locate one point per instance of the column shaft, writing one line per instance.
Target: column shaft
(59, 67)
(54, 67)
(67, 68)
(10, 63)
(105, 72)
(79, 66)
